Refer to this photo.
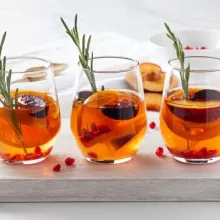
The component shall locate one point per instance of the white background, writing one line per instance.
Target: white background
(33, 23)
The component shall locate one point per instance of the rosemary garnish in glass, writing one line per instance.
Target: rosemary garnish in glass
(184, 72)
(7, 100)
(84, 54)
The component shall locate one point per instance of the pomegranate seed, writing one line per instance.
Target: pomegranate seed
(203, 151)
(37, 150)
(86, 135)
(57, 168)
(203, 48)
(190, 154)
(103, 129)
(159, 152)
(69, 161)
(211, 153)
(92, 155)
(18, 157)
(37, 156)
(15, 157)
(94, 129)
(188, 48)
(29, 156)
(152, 125)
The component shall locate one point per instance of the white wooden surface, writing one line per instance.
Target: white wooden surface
(145, 178)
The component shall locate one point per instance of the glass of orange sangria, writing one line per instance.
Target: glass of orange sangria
(29, 111)
(190, 119)
(108, 118)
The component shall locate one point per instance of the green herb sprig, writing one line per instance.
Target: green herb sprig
(184, 72)
(9, 102)
(83, 46)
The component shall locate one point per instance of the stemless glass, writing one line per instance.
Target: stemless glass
(191, 128)
(29, 129)
(109, 125)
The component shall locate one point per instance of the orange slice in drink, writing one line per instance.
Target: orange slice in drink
(102, 98)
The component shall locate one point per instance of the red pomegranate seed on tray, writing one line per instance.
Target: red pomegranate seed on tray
(57, 168)
(69, 161)
(159, 152)
(152, 125)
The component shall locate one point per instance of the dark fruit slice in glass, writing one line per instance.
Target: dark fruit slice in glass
(40, 114)
(198, 115)
(120, 142)
(37, 105)
(83, 95)
(123, 110)
(206, 95)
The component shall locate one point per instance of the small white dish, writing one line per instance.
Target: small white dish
(162, 49)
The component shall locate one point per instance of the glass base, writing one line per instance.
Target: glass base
(197, 161)
(23, 161)
(109, 161)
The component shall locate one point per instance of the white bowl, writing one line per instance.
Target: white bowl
(162, 49)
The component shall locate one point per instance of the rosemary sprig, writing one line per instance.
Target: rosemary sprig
(84, 53)
(184, 72)
(6, 99)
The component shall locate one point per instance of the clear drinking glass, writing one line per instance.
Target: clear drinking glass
(29, 129)
(191, 128)
(109, 125)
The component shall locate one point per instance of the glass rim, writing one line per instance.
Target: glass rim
(49, 64)
(136, 64)
(196, 70)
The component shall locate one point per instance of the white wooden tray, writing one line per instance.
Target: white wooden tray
(145, 178)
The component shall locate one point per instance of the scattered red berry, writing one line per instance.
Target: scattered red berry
(159, 152)
(15, 157)
(103, 129)
(94, 129)
(188, 48)
(92, 155)
(37, 150)
(152, 125)
(29, 156)
(37, 156)
(57, 168)
(197, 48)
(203, 153)
(69, 161)
(86, 135)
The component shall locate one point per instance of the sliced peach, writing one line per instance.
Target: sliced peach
(153, 101)
(157, 84)
(154, 85)
(147, 68)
